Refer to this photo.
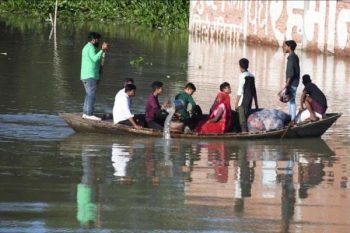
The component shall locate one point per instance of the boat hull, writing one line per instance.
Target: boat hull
(106, 126)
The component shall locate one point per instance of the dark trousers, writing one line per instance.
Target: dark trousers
(243, 114)
(154, 125)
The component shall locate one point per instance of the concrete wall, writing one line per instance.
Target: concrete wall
(317, 25)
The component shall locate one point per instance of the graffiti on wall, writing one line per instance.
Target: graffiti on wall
(315, 25)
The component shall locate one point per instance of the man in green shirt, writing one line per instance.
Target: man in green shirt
(188, 114)
(91, 64)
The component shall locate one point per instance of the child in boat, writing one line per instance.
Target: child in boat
(245, 94)
(191, 112)
(122, 105)
(155, 113)
(220, 118)
(313, 99)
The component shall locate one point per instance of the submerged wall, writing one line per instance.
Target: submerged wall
(317, 25)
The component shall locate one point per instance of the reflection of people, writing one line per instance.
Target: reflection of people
(121, 109)
(220, 118)
(310, 174)
(313, 99)
(86, 193)
(218, 157)
(245, 94)
(155, 114)
(90, 72)
(292, 75)
(245, 178)
(287, 196)
(120, 159)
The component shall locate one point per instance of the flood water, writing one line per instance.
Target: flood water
(55, 180)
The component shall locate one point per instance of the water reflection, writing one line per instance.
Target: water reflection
(86, 190)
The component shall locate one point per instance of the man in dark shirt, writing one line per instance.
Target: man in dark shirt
(155, 114)
(292, 75)
(313, 99)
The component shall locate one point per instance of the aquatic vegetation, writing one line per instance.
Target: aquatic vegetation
(160, 14)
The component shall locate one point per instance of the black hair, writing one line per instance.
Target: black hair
(156, 84)
(224, 85)
(291, 44)
(244, 63)
(129, 87)
(190, 86)
(306, 79)
(93, 35)
(128, 81)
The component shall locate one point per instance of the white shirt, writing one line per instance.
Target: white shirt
(121, 108)
(241, 85)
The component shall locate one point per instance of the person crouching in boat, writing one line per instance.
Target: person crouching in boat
(156, 114)
(313, 99)
(220, 115)
(122, 105)
(191, 112)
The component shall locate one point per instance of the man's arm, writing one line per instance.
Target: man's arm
(238, 97)
(302, 100)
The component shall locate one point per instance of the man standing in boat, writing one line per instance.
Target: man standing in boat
(91, 67)
(246, 94)
(292, 76)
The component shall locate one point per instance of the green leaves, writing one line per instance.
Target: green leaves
(165, 14)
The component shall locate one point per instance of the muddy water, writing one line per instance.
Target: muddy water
(53, 180)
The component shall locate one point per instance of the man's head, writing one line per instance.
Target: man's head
(130, 90)
(128, 81)
(306, 79)
(94, 38)
(244, 64)
(289, 46)
(225, 87)
(157, 87)
(190, 88)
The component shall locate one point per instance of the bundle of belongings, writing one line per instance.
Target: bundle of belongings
(267, 119)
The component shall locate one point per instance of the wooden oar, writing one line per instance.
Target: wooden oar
(291, 123)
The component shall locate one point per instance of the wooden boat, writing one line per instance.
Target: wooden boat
(106, 126)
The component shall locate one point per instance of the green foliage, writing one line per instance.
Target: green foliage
(167, 14)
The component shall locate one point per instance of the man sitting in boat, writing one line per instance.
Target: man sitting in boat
(122, 105)
(191, 112)
(313, 99)
(220, 118)
(155, 113)
(245, 94)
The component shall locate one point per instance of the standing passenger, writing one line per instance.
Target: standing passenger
(245, 94)
(292, 76)
(90, 72)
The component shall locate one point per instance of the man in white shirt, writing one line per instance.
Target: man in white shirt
(245, 94)
(122, 105)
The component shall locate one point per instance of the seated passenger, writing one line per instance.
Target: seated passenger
(155, 113)
(190, 113)
(220, 118)
(122, 105)
(313, 99)
(245, 94)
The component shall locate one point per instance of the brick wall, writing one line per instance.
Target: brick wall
(318, 25)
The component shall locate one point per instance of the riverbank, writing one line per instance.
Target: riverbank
(152, 13)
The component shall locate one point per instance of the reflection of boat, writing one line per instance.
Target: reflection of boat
(302, 130)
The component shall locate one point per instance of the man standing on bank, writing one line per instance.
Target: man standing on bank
(292, 76)
(90, 72)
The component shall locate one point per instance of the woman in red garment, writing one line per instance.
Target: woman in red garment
(220, 118)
